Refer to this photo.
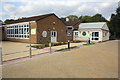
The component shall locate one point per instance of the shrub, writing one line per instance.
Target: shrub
(76, 41)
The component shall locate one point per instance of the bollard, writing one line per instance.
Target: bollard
(1, 56)
(89, 41)
(68, 44)
(50, 47)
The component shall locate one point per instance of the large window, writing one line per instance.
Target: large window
(95, 35)
(18, 31)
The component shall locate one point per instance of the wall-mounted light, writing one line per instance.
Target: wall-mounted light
(53, 28)
(53, 23)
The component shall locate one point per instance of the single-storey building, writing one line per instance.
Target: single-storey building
(38, 29)
(71, 26)
(95, 31)
(2, 33)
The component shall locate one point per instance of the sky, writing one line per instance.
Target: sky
(14, 9)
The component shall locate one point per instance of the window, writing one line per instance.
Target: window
(105, 34)
(69, 33)
(69, 28)
(84, 33)
(95, 35)
(76, 33)
(18, 31)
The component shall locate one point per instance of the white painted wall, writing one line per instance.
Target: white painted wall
(105, 35)
(89, 35)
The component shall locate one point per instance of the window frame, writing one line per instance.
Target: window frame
(69, 34)
(14, 31)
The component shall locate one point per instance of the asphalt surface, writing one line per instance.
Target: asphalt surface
(93, 61)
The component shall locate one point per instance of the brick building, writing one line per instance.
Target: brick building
(40, 29)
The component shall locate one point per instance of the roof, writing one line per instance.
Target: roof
(1, 23)
(34, 18)
(71, 23)
(94, 25)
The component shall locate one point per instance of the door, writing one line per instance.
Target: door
(53, 36)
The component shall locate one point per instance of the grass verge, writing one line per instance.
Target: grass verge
(66, 48)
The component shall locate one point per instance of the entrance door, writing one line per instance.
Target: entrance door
(53, 36)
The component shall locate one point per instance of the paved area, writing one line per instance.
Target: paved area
(14, 50)
(94, 61)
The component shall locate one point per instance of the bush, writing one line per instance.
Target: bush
(76, 41)
(40, 46)
(46, 44)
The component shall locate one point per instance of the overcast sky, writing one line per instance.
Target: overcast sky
(11, 9)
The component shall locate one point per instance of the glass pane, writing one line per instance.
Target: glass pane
(54, 34)
(96, 38)
(24, 30)
(96, 34)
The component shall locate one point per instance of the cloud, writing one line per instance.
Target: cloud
(61, 8)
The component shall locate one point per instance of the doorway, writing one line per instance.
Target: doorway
(53, 36)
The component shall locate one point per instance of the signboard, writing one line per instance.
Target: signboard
(33, 31)
(44, 33)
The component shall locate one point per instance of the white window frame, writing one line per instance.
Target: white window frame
(18, 35)
(77, 33)
(69, 34)
(93, 36)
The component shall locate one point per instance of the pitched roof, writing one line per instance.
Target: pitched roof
(34, 18)
(71, 23)
(1, 21)
(93, 25)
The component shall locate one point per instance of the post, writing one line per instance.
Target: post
(50, 47)
(1, 29)
(30, 40)
(89, 41)
(50, 40)
(68, 44)
(1, 56)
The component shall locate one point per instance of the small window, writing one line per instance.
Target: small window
(76, 33)
(69, 28)
(84, 33)
(69, 33)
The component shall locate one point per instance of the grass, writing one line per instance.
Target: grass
(89, 44)
(41, 46)
(67, 48)
(76, 41)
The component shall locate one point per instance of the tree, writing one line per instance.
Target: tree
(72, 17)
(98, 18)
(63, 19)
(8, 20)
(115, 23)
(85, 19)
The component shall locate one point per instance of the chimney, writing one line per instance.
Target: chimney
(67, 19)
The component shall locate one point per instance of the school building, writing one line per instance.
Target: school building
(37, 29)
(50, 28)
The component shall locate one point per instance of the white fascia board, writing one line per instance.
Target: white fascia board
(21, 23)
(89, 29)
